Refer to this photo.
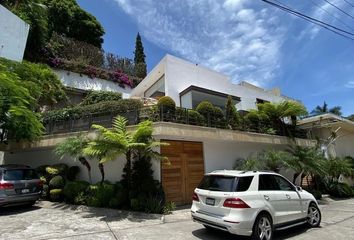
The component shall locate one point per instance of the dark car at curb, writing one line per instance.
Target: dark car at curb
(19, 185)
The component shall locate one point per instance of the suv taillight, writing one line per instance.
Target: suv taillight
(6, 186)
(195, 197)
(235, 203)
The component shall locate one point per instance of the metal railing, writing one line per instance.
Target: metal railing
(179, 115)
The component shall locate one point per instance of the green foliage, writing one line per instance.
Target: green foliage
(57, 182)
(316, 193)
(340, 190)
(56, 195)
(57, 169)
(114, 107)
(73, 189)
(195, 118)
(324, 109)
(18, 121)
(72, 173)
(231, 114)
(139, 58)
(337, 166)
(206, 109)
(99, 195)
(275, 116)
(168, 208)
(100, 96)
(167, 105)
(42, 169)
(135, 204)
(140, 70)
(42, 83)
(153, 205)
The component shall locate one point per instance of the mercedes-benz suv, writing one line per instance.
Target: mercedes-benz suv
(19, 184)
(252, 203)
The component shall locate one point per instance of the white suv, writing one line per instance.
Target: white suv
(252, 203)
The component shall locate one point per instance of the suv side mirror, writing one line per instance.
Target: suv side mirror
(299, 189)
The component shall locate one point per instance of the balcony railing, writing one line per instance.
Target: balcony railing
(181, 115)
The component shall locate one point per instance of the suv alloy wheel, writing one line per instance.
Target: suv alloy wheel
(263, 228)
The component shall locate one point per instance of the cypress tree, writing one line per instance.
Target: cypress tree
(232, 116)
(139, 58)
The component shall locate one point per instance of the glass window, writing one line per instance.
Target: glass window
(225, 183)
(284, 185)
(217, 183)
(243, 183)
(20, 174)
(267, 182)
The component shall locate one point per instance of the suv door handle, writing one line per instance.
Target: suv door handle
(266, 197)
(288, 196)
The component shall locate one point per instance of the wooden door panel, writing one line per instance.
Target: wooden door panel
(185, 172)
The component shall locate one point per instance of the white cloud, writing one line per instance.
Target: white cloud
(350, 84)
(231, 36)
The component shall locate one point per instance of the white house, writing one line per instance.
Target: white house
(188, 84)
(13, 35)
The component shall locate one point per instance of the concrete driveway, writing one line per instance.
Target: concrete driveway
(59, 221)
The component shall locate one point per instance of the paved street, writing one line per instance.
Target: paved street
(60, 221)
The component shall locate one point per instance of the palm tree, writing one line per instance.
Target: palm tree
(305, 161)
(74, 147)
(324, 109)
(279, 112)
(112, 143)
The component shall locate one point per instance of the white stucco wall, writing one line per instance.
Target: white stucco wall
(113, 169)
(84, 82)
(13, 35)
(181, 74)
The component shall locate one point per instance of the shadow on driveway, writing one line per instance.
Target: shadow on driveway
(207, 234)
(12, 210)
(107, 214)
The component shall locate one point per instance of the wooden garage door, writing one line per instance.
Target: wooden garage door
(185, 172)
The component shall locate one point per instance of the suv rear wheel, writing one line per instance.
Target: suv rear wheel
(313, 216)
(263, 228)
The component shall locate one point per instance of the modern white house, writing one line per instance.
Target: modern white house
(13, 35)
(188, 84)
(193, 150)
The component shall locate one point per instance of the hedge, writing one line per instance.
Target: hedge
(120, 106)
(100, 96)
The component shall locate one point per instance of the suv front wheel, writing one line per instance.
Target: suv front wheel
(313, 216)
(263, 228)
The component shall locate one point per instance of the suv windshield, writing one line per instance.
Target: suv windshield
(20, 174)
(225, 183)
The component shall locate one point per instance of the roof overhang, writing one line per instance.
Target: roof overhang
(326, 120)
(207, 91)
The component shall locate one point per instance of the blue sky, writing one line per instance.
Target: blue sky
(246, 39)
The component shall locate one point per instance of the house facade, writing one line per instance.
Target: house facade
(188, 84)
(192, 150)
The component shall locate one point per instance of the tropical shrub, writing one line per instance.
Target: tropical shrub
(195, 118)
(73, 189)
(56, 195)
(166, 105)
(57, 182)
(100, 96)
(206, 109)
(72, 173)
(168, 208)
(340, 190)
(153, 205)
(99, 195)
(57, 169)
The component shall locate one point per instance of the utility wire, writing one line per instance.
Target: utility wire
(349, 3)
(339, 9)
(334, 16)
(327, 26)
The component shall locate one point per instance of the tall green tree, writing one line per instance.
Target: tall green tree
(324, 109)
(18, 121)
(139, 58)
(74, 147)
(231, 114)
